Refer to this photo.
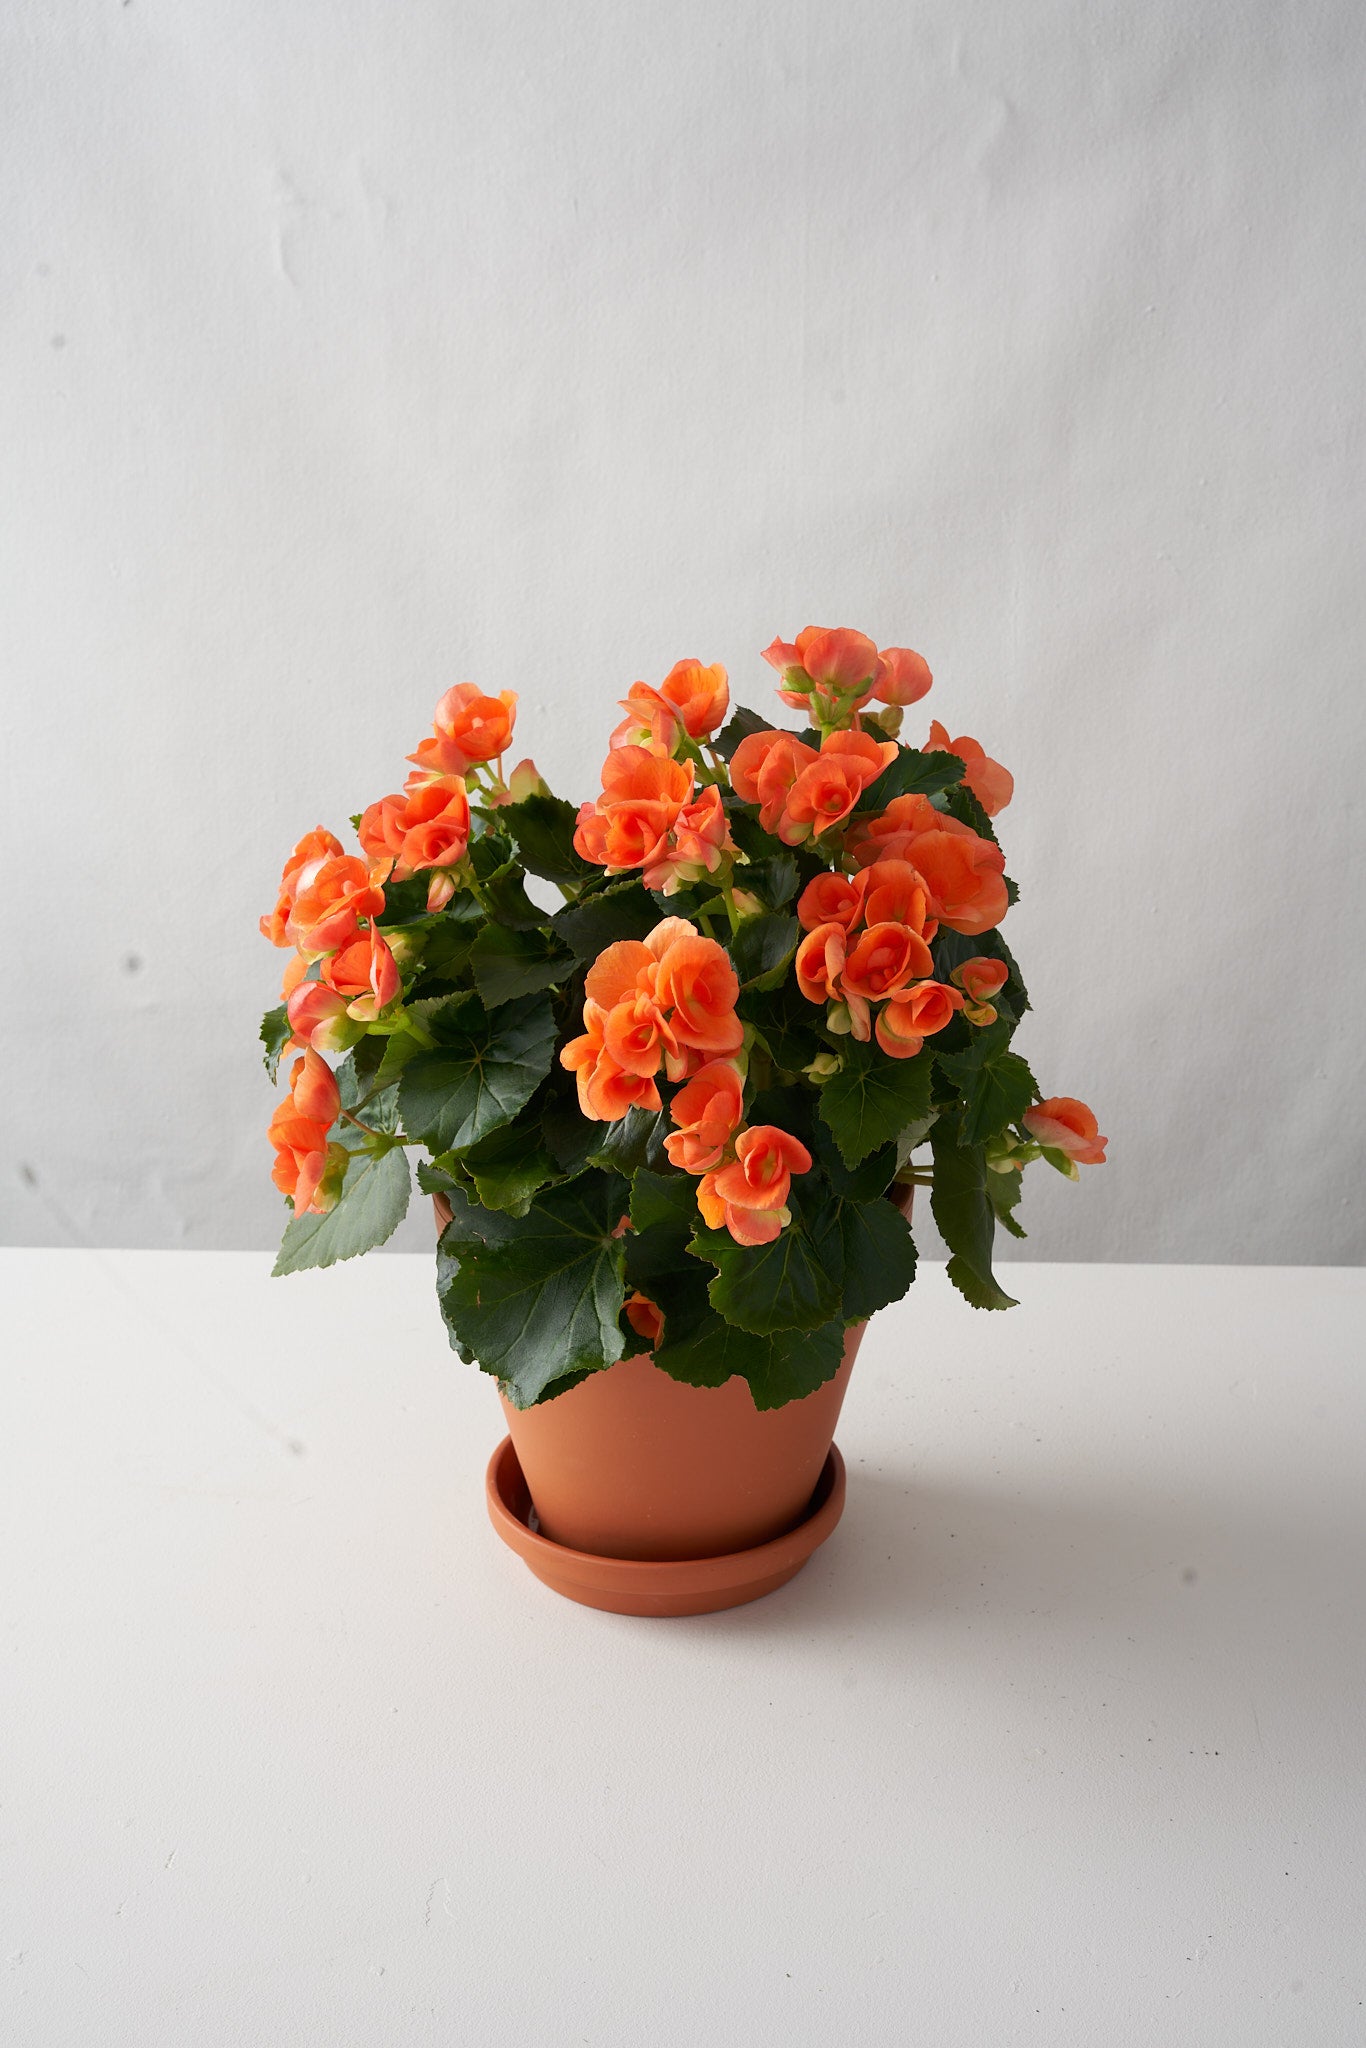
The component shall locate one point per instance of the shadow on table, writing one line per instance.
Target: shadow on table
(933, 1557)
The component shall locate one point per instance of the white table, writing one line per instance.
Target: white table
(1059, 1740)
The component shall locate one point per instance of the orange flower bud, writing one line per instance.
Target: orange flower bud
(644, 1316)
(903, 677)
(981, 977)
(1065, 1125)
(317, 1017)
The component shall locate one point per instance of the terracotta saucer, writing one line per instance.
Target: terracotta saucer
(623, 1585)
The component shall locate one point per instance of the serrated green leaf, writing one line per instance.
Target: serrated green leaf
(774, 879)
(507, 964)
(483, 1070)
(963, 1211)
(539, 1298)
(995, 1084)
(869, 1244)
(873, 1097)
(912, 773)
(275, 1036)
(543, 827)
(569, 1134)
(509, 1166)
(780, 1367)
(505, 898)
(768, 1287)
(624, 911)
(373, 1202)
(636, 1139)
(762, 947)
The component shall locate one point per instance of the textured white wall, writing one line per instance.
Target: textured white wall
(350, 349)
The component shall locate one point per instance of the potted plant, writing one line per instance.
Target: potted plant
(675, 1062)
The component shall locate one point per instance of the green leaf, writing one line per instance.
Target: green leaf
(438, 1176)
(742, 724)
(483, 1071)
(624, 911)
(509, 1166)
(763, 946)
(507, 964)
(781, 1367)
(963, 1210)
(774, 879)
(663, 1219)
(505, 898)
(275, 1036)
(373, 1202)
(404, 902)
(912, 773)
(869, 1244)
(767, 1287)
(536, 1299)
(960, 803)
(636, 1139)
(873, 1097)
(399, 1048)
(570, 1135)
(543, 827)
(995, 1084)
(1003, 1192)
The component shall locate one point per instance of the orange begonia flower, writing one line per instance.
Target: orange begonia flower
(308, 856)
(696, 846)
(836, 663)
(606, 1091)
(830, 899)
(964, 874)
(903, 677)
(895, 1032)
(636, 1036)
(750, 1195)
(692, 699)
(642, 796)
(1067, 1126)
(924, 1008)
(326, 914)
(708, 1112)
(896, 893)
(697, 985)
(764, 768)
(468, 727)
(306, 1167)
(644, 1316)
(366, 973)
(884, 960)
(825, 792)
(820, 962)
(991, 784)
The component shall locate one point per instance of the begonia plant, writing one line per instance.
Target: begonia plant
(674, 1113)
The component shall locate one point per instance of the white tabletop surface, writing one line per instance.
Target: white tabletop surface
(1059, 1740)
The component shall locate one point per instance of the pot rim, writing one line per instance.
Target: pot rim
(509, 1501)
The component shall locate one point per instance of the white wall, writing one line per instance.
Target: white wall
(351, 349)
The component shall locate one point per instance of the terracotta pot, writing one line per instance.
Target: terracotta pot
(633, 1465)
